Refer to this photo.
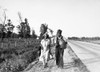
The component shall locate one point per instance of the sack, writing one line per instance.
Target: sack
(62, 43)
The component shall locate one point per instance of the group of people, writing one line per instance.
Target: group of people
(60, 43)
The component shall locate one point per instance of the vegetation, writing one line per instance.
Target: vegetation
(84, 38)
(16, 54)
(17, 51)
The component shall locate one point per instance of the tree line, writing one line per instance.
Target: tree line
(24, 29)
(84, 38)
(6, 30)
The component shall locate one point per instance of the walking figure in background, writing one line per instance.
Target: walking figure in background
(45, 43)
(60, 46)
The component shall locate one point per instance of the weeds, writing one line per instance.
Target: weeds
(16, 59)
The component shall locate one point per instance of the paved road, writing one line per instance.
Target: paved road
(89, 53)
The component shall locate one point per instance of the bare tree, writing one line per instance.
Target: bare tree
(19, 27)
(2, 26)
(20, 17)
(24, 28)
(5, 16)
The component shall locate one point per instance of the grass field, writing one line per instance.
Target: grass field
(16, 54)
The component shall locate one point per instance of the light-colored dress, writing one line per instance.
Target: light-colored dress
(44, 51)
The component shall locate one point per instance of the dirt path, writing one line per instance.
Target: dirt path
(71, 64)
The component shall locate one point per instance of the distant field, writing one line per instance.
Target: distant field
(91, 41)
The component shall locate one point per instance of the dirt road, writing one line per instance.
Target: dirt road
(72, 62)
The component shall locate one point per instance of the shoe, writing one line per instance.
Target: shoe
(45, 65)
(61, 67)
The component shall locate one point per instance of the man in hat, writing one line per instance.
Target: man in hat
(60, 46)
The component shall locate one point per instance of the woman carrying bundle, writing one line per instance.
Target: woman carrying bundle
(45, 46)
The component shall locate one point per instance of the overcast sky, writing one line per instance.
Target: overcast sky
(74, 17)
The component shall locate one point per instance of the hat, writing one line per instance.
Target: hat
(59, 31)
(9, 20)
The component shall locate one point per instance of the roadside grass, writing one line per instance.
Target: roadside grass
(17, 54)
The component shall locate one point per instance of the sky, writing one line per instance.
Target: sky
(75, 17)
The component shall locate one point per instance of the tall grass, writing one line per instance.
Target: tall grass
(16, 54)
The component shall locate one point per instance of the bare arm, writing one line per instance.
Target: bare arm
(41, 44)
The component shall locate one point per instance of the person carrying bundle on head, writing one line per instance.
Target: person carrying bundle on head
(45, 46)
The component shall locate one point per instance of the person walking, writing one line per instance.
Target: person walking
(61, 43)
(45, 46)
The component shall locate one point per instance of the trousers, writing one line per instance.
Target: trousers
(59, 57)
